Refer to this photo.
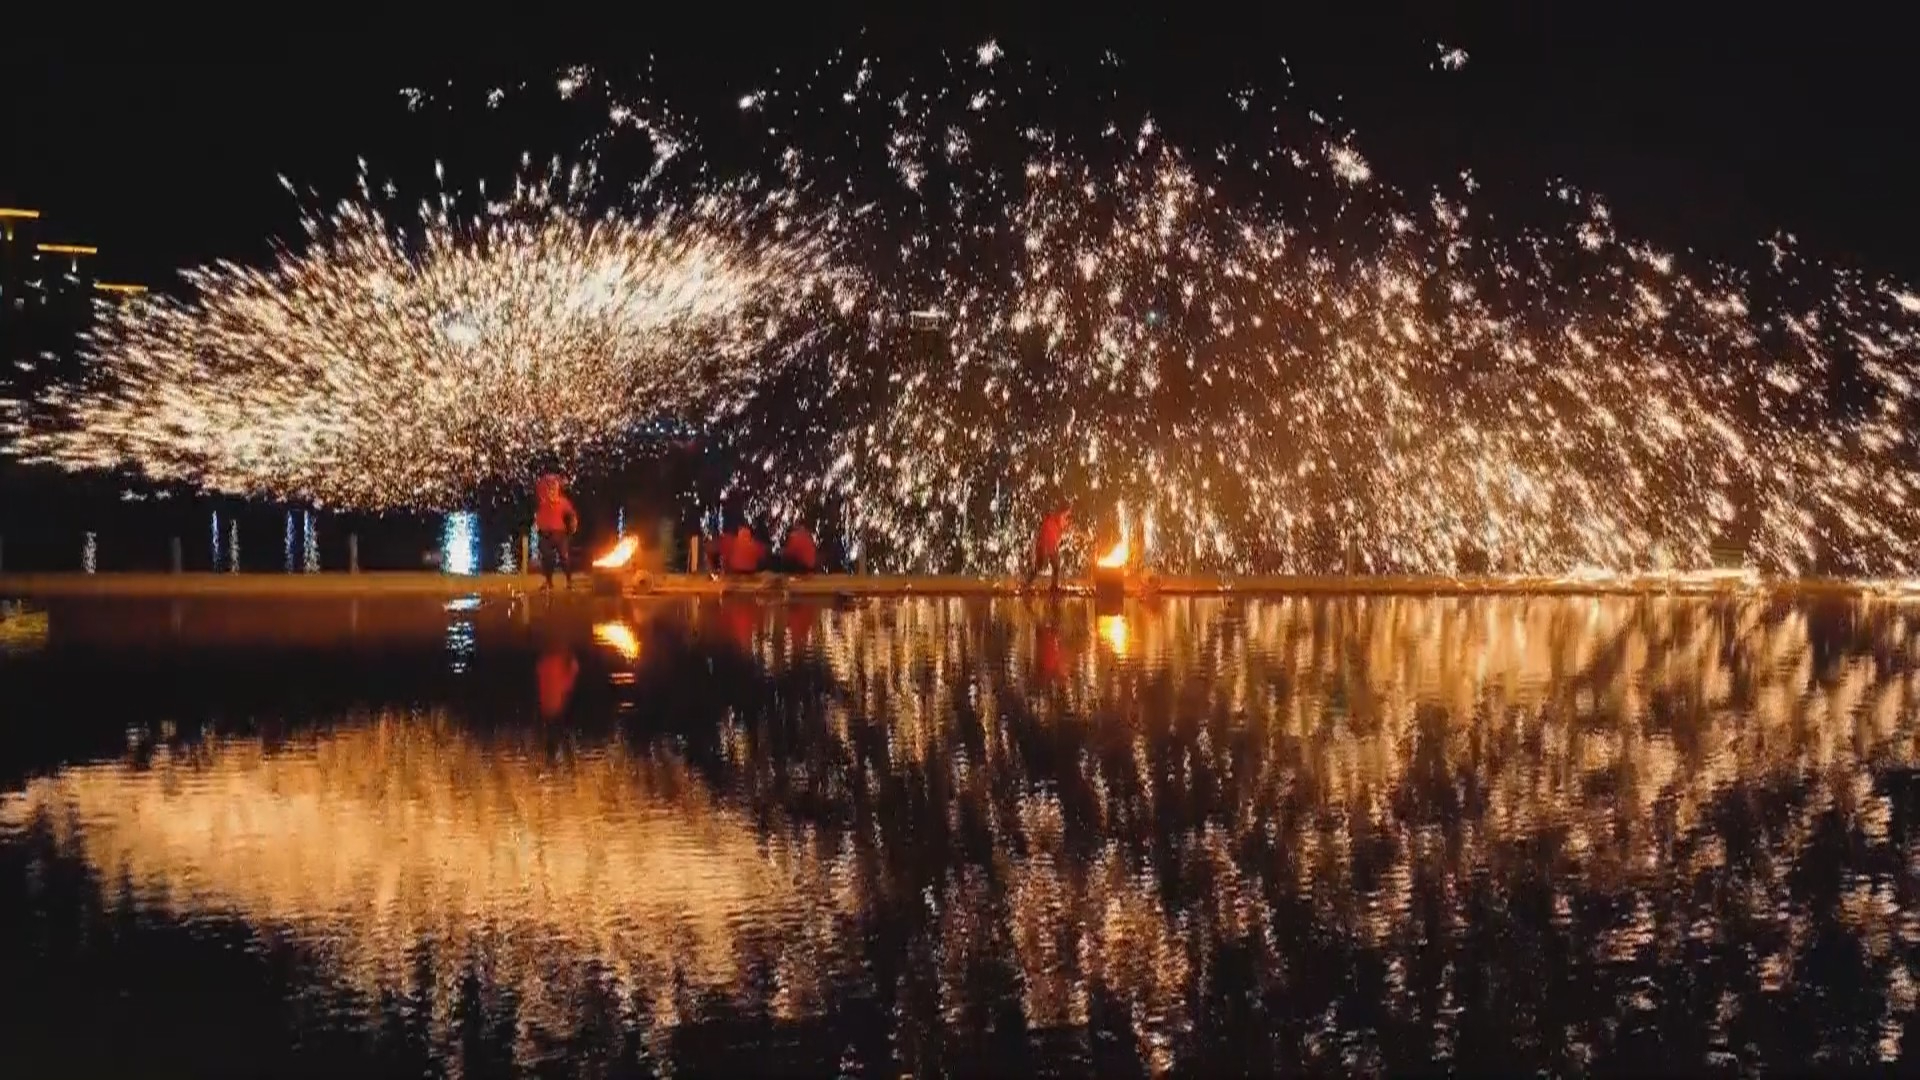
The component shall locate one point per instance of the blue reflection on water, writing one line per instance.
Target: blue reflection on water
(460, 640)
(460, 544)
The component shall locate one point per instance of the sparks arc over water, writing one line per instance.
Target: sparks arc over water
(376, 369)
(1247, 342)
(1266, 356)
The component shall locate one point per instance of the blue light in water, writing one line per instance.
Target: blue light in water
(460, 544)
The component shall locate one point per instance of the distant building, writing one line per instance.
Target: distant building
(48, 293)
(63, 276)
(118, 290)
(43, 277)
(16, 253)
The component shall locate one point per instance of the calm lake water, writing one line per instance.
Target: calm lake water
(1193, 837)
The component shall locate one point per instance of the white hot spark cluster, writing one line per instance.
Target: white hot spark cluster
(379, 368)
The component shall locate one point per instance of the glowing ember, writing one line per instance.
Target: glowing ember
(621, 555)
(1116, 556)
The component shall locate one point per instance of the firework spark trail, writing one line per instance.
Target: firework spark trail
(1317, 361)
(1251, 343)
(365, 371)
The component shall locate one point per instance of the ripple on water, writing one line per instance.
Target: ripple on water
(1335, 834)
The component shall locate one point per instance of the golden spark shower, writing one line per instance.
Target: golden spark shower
(930, 304)
(383, 367)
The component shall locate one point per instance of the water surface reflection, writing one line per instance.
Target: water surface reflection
(1333, 835)
(397, 839)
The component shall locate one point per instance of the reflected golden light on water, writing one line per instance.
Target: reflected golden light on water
(371, 842)
(1387, 804)
(1360, 753)
(619, 637)
(22, 631)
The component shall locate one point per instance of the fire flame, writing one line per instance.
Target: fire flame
(1115, 557)
(621, 555)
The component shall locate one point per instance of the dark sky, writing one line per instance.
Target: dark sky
(1707, 124)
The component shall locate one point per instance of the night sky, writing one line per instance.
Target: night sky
(1707, 125)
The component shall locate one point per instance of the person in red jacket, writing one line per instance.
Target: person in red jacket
(555, 520)
(743, 552)
(1046, 546)
(800, 555)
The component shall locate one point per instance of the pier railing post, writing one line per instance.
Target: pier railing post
(693, 554)
(860, 562)
(526, 554)
(177, 560)
(353, 553)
